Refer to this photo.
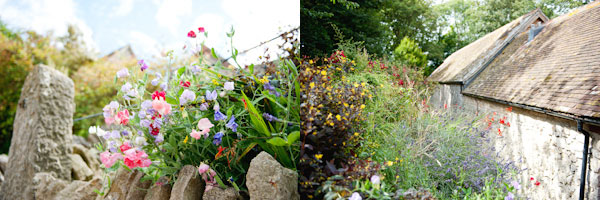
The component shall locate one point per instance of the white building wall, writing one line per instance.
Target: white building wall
(549, 148)
(448, 94)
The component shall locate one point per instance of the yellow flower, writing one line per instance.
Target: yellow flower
(396, 158)
(310, 62)
(363, 84)
(345, 105)
(389, 163)
(362, 106)
(214, 81)
(355, 133)
(185, 140)
(331, 123)
(338, 117)
(318, 156)
(312, 85)
(324, 73)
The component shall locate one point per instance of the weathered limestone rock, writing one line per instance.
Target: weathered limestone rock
(81, 141)
(161, 191)
(3, 162)
(189, 184)
(90, 156)
(48, 187)
(42, 133)
(80, 169)
(121, 184)
(267, 179)
(216, 193)
(138, 189)
(1, 178)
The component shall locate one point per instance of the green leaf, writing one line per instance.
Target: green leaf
(115, 79)
(293, 137)
(145, 78)
(256, 119)
(229, 111)
(180, 71)
(251, 67)
(212, 51)
(171, 100)
(277, 141)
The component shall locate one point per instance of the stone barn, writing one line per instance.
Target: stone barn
(547, 73)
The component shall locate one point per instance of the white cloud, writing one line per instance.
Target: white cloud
(46, 15)
(123, 8)
(169, 13)
(144, 45)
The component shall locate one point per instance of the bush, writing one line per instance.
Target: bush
(409, 53)
(331, 113)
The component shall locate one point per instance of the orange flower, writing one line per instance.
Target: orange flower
(509, 109)
(220, 153)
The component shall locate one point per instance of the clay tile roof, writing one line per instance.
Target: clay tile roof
(558, 70)
(467, 61)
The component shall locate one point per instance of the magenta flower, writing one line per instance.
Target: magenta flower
(109, 159)
(135, 158)
(191, 34)
(200, 29)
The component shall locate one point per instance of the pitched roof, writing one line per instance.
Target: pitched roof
(466, 62)
(558, 70)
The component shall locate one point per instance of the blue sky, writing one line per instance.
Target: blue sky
(157, 25)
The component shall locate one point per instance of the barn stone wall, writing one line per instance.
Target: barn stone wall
(548, 148)
(449, 94)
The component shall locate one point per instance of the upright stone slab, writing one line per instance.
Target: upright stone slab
(267, 179)
(42, 135)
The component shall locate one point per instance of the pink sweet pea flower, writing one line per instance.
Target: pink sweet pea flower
(125, 146)
(161, 106)
(204, 124)
(195, 134)
(109, 160)
(191, 34)
(123, 117)
(134, 158)
(203, 168)
(200, 29)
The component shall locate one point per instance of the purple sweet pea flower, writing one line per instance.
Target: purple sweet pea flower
(204, 106)
(231, 124)
(510, 196)
(143, 65)
(159, 138)
(220, 116)
(195, 69)
(145, 123)
(186, 96)
(125, 133)
(217, 138)
(211, 96)
(123, 73)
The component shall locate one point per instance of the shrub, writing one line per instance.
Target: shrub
(408, 51)
(331, 113)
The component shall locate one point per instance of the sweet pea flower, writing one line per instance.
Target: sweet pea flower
(125, 146)
(217, 138)
(191, 34)
(143, 65)
(205, 124)
(355, 196)
(123, 117)
(375, 180)
(203, 168)
(109, 159)
(159, 138)
(216, 107)
(195, 69)
(97, 130)
(231, 124)
(200, 29)
(159, 95)
(516, 185)
(141, 141)
(161, 107)
(211, 96)
(123, 73)
(135, 158)
(228, 86)
(109, 112)
(184, 84)
(196, 134)
(220, 116)
(186, 96)
(203, 106)
(145, 123)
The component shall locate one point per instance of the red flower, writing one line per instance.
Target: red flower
(537, 183)
(531, 179)
(508, 124)
(245, 104)
(157, 95)
(220, 153)
(401, 82)
(445, 106)
(184, 84)
(200, 29)
(191, 34)
(509, 109)
(499, 132)
(501, 121)
(125, 146)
